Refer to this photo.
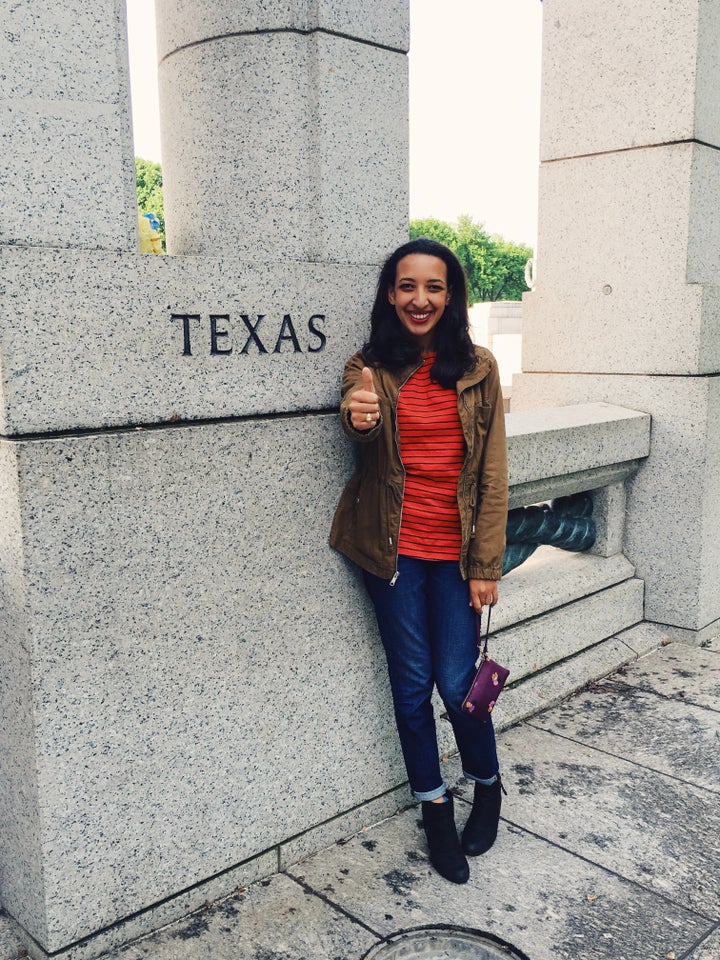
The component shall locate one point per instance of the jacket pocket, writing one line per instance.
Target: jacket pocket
(369, 516)
(388, 526)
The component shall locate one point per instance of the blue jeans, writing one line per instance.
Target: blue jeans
(428, 631)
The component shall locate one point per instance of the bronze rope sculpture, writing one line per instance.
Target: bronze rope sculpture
(566, 523)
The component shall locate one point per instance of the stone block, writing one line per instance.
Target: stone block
(584, 441)
(609, 507)
(703, 256)
(307, 134)
(384, 23)
(19, 826)
(537, 643)
(707, 107)
(673, 502)
(260, 155)
(593, 310)
(607, 70)
(69, 53)
(186, 620)
(504, 317)
(81, 198)
(552, 578)
(362, 185)
(549, 687)
(66, 171)
(93, 342)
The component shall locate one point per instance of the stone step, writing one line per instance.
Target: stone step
(551, 578)
(551, 607)
(542, 690)
(539, 642)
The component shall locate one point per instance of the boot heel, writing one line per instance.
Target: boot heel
(445, 851)
(481, 828)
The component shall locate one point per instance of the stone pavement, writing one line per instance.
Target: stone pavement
(609, 847)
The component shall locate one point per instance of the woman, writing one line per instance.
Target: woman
(424, 517)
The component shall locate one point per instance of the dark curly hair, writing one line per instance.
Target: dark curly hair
(391, 346)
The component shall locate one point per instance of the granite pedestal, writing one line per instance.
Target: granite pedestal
(170, 455)
(626, 305)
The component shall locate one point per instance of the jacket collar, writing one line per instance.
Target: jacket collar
(482, 368)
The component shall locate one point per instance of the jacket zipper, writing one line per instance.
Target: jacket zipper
(402, 498)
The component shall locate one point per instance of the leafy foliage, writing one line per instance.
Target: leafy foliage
(148, 179)
(495, 267)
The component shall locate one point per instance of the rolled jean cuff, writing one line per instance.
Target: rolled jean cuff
(430, 794)
(485, 783)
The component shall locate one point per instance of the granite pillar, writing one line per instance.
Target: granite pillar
(626, 308)
(170, 456)
(299, 111)
(67, 177)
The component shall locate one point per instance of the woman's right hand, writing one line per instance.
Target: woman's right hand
(364, 404)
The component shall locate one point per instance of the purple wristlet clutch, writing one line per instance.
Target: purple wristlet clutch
(489, 679)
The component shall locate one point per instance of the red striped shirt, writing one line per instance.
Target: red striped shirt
(432, 449)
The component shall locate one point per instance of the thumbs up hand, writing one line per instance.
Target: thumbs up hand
(364, 405)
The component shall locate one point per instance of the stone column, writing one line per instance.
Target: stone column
(67, 176)
(171, 455)
(284, 127)
(627, 301)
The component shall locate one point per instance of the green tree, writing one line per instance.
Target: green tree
(435, 230)
(148, 180)
(495, 267)
(514, 257)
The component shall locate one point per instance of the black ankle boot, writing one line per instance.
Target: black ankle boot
(445, 853)
(482, 826)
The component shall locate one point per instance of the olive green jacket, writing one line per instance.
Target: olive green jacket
(367, 520)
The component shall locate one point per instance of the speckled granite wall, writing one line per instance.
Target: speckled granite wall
(628, 261)
(118, 339)
(66, 169)
(170, 456)
(185, 620)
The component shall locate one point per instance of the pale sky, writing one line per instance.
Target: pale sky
(474, 108)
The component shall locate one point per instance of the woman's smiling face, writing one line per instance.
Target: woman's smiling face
(420, 294)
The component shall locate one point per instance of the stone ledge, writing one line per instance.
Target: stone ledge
(536, 644)
(548, 688)
(586, 439)
(551, 578)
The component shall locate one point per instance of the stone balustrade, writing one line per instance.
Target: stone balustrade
(563, 450)
(566, 617)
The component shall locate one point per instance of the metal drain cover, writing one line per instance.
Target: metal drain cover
(442, 943)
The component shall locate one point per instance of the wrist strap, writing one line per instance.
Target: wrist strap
(479, 632)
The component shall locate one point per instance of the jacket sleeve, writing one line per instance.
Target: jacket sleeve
(352, 381)
(488, 545)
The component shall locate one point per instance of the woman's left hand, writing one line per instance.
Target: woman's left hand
(483, 593)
